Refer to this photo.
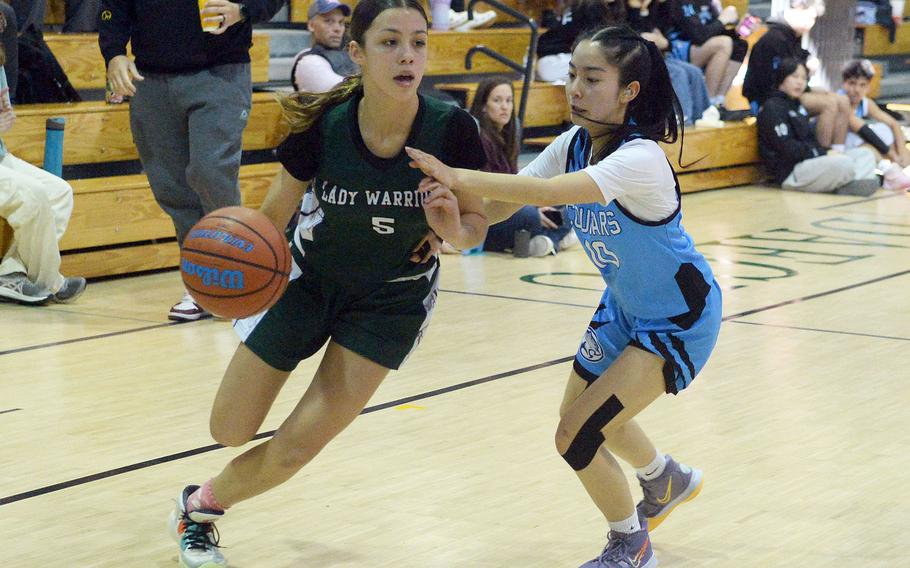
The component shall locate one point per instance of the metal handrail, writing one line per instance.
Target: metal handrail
(525, 69)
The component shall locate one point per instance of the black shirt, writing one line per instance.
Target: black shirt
(166, 35)
(784, 135)
(778, 43)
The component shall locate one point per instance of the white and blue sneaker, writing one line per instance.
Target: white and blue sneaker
(195, 533)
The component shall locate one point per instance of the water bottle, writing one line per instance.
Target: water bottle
(53, 145)
(522, 246)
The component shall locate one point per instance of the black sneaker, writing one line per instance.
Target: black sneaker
(728, 115)
(73, 287)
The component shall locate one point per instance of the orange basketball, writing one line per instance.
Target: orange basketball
(235, 262)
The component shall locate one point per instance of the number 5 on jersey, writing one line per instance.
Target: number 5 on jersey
(383, 225)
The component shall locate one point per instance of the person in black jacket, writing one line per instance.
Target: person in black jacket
(783, 40)
(554, 48)
(700, 35)
(790, 150)
(191, 97)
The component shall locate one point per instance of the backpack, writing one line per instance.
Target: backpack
(41, 79)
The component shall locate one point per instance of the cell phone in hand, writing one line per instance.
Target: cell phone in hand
(554, 215)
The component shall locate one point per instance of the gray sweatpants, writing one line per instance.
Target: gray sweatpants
(188, 129)
(827, 173)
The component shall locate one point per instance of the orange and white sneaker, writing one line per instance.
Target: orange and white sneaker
(195, 533)
(626, 550)
(676, 485)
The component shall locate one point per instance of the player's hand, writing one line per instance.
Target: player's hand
(545, 221)
(220, 13)
(432, 167)
(441, 209)
(426, 249)
(121, 72)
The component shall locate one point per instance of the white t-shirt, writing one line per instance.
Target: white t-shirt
(314, 74)
(637, 175)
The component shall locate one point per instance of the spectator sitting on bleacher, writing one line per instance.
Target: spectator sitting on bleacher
(782, 40)
(189, 105)
(869, 124)
(37, 205)
(81, 16)
(554, 48)
(650, 20)
(790, 150)
(700, 35)
(325, 64)
(494, 109)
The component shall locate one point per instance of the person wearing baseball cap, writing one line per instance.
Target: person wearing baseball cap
(327, 62)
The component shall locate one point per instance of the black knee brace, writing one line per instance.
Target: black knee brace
(869, 136)
(589, 438)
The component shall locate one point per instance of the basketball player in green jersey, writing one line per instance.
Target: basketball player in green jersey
(353, 282)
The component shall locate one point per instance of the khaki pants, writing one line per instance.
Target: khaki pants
(827, 173)
(37, 205)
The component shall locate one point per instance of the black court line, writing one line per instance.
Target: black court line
(818, 295)
(518, 298)
(212, 447)
(866, 200)
(90, 337)
(9, 410)
(856, 333)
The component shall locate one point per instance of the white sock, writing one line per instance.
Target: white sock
(717, 101)
(653, 469)
(838, 148)
(627, 526)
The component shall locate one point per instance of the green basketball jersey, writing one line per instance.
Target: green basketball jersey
(362, 215)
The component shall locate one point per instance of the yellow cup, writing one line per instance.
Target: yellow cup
(212, 24)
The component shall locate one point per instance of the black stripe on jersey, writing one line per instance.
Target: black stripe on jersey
(666, 219)
(577, 158)
(680, 347)
(586, 375)
(671, 367)
(694, 289)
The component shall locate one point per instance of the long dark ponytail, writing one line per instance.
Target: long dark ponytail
(655, 113)
(301, 110)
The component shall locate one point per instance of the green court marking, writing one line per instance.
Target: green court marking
(533, 279)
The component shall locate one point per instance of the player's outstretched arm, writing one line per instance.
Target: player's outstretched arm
(577, 187)
(284, 196)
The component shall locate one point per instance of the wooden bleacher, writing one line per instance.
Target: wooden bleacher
(533, 8)
(546, 102)
(726, 156)
(116, 217)
(446, 50)
(80, 58)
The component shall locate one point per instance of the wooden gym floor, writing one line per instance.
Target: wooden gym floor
(799, 421)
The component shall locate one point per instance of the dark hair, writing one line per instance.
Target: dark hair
(858, 68)
(655, 113)
(787, 67)
(507, 137)
(301, 110)
(602, 12)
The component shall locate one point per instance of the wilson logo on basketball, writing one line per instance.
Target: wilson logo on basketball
(212, 277)
(222, 236)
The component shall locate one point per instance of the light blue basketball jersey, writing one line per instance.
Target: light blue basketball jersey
(651, 268)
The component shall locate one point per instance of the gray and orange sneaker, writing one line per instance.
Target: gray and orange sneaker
(676, 485)
(626, 550)
(195, 533)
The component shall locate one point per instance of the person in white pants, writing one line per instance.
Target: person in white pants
(37, 205)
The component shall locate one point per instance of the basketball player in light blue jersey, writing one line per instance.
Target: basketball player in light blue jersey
(660, 315)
